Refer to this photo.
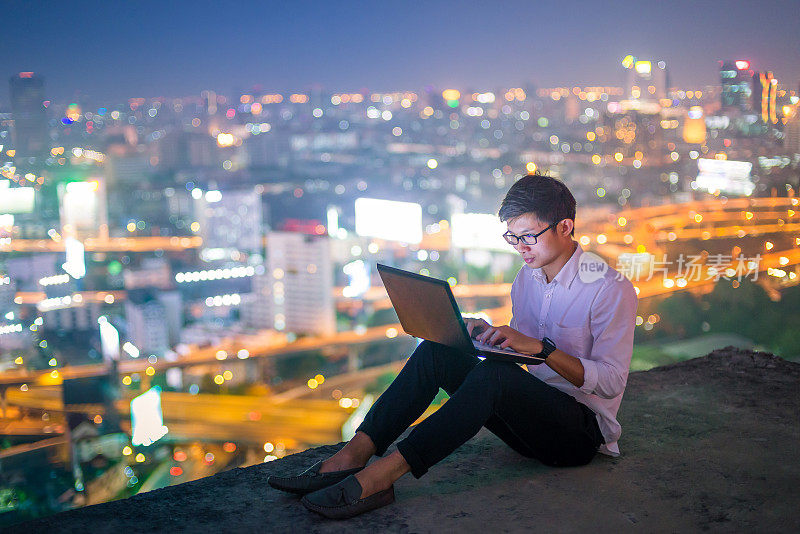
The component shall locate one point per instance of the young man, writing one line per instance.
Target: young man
(566, 305)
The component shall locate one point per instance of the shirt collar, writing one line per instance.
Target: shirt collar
(567, 273)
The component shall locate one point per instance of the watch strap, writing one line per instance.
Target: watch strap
(547, 347)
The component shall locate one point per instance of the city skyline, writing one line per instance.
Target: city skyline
(106, 55)
(194, 200)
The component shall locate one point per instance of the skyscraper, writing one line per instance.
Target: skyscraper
(295, 292)
(765, 90)
(792, 136)
(230, 222)
(646, 80)
(30, 118)
(737, 90)
(148, 324)
(12, 334)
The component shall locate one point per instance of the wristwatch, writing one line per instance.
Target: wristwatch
(547, 347)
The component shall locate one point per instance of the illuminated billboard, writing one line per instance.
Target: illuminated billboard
(16, 199)
(82, 206)
(109, 340)
(358, 275)
(147, 420)
(6, 224)
(388, 219)
(75, 264)
(725, 176)
(643, 67)
(479, 231)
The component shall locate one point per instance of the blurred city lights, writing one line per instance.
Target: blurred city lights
(217, 239)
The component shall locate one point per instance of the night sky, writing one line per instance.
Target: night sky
(110, 51)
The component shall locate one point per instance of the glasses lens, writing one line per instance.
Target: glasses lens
(528, 239)
(511, 239)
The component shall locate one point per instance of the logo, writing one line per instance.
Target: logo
(591, 267)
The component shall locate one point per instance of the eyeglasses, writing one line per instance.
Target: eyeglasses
(527, 239)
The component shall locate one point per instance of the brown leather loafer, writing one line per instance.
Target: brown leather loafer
(343, 500)
(310, 480)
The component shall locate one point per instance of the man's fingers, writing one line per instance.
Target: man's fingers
(483, 338)
(475, 327)
(496, 336)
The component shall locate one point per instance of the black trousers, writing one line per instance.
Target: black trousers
(533, 418)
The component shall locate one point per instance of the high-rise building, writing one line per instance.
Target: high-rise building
(172, 302)
(209, 102)
(230, 222)
(151, 318)
(645, 79)
(202, 151)
(151, 272)
(81, 317)
(736, 81)
(765, 91)
(30, 118)
(303, 271)
(26, 271)
(791, 140)
(128, 169)
(273, 148)
(295, 292)
(6, 125)
(13, 334)
(182, 150)
(256, 309)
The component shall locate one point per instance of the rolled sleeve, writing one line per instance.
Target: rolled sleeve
(589, 375)
(613, 315)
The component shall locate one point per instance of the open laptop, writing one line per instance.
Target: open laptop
(427, 309)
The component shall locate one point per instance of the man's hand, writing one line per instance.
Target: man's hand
(507, 337)
(475, 326)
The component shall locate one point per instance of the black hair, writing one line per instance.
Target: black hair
(547, 198)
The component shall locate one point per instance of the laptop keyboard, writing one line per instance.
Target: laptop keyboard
(494, 348)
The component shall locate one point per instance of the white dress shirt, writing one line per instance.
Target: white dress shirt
(592, 321)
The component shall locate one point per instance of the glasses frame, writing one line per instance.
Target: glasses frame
(514, 239)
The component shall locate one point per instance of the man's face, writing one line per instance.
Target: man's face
(548, 246)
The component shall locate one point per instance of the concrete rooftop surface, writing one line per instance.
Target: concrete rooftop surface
(710, 444)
